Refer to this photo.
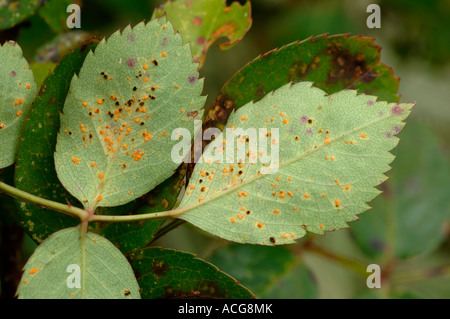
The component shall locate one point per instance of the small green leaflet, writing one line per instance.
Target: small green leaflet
(138, 87)
(333, 151)
(57, 261)
(202, 22)
(17, 92)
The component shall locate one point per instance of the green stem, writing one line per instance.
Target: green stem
(132, 218)
(32, 199)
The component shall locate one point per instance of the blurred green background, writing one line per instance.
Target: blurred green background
(406, 232)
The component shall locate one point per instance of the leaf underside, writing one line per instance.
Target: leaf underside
(17, 92)
(108, 273)
(333, 151)
(115, 141)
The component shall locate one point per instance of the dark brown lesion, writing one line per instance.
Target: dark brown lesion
(218, 115)
(207, 289)
(298, 70)
(159, 268)
(347, 68)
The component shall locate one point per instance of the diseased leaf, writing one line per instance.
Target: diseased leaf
(332, 152)
(415, 204)
(17, 92)
(57, 261)
(13, 12)
(333, 63)
(167, 273)
(35, 170)
(203, 22)
(273, 273)
(115, 137)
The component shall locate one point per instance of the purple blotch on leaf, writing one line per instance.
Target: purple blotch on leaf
(377, 244)
(164, 41)
(13, 73)
(388, 134)
(369, 103)
(131, 62)
(191, 79)
(397, 110)
(303, 119)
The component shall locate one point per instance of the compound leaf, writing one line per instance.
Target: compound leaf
(17, 92)
(57, 262)
(203, 22)
(167, 273)
(325, 161)
(131, 94)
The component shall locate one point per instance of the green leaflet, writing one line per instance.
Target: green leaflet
(167, 273)
(333, 151)
(35, 166)
(108, 273)
(17, 92)
(202, 22)
(115, 138)
(333, 63)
